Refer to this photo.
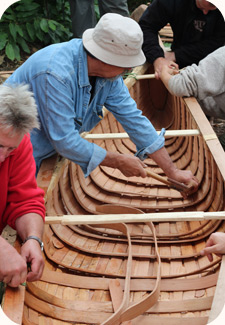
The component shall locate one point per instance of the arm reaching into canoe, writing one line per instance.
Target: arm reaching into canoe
(133, 166)
(214, 245)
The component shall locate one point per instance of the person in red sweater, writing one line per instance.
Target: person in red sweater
(21, 201)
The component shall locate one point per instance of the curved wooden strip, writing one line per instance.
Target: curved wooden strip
(76, 305)
(86, 282)
(125, 299)
(141, 306)
(63, 314)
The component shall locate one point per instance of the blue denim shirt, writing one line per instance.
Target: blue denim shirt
(58, 77)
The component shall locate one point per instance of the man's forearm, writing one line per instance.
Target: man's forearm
(163, 160)
(30, 224)
(129, 165)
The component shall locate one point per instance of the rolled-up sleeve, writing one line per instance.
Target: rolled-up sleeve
(156, 145)
(141, 131)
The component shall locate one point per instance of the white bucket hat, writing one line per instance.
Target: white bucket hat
(115, 40)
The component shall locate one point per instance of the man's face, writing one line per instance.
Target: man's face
(8, 142)
(205, 6)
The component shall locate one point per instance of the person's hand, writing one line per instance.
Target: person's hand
(32, 254)
(167, 73)
(129, 165)
(215, 244)
(170, 70)
(160, 63)
(13, 267)
(186, 177)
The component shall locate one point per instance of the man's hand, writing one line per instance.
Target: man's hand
(215, 244)
(13, 267)
(31, 252)
(163, 160)
(167, 73)
(186, 177)
(160, 62)
(128, 165)
(17, 268)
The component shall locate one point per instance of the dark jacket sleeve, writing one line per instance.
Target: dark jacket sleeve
(155, 17)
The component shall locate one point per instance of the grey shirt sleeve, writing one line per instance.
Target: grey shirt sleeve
(206, 79)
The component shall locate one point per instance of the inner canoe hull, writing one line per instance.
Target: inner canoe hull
(136, 273)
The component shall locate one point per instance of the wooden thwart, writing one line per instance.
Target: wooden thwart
(118, 218)
(145, 76)
(124, 135)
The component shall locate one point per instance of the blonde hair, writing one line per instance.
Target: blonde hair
(18, 109)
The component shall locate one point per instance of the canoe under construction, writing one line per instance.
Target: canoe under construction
(122, 250)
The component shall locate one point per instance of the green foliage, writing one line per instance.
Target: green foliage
(97, 12)
(31, 22)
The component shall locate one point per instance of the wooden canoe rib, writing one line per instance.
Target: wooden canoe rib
(134, 273)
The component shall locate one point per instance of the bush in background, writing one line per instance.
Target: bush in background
(34, 22)
(38, 23)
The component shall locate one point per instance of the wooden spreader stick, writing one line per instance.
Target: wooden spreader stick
(146, 217)
(124, 135)
(145, 76)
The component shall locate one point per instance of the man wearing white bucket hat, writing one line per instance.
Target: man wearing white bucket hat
(72, 81)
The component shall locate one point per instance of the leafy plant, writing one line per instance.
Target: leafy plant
(97, 12)
(31, 22)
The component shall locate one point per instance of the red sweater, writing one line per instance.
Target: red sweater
(19, 193)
